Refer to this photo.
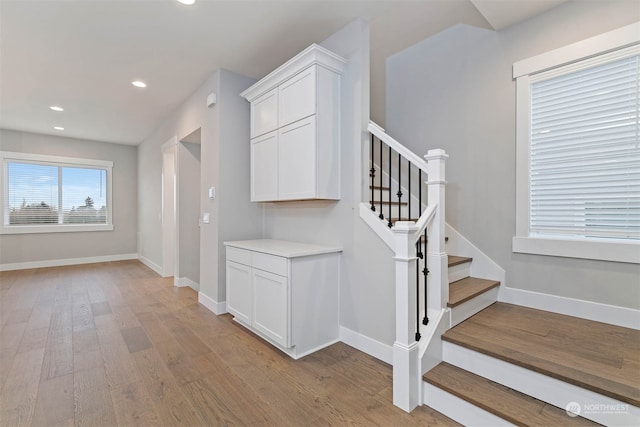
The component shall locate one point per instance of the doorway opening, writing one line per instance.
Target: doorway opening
(181, 210)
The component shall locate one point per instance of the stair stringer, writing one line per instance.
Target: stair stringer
(482, 265)
(430, 344)
(379, 227)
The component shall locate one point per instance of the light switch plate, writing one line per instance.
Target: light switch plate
(205, 218)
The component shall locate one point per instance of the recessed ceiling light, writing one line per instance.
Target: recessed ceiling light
(56, 108)
(58, 128)
(139, 83)
(187, 2)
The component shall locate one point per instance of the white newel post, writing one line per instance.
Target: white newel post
(438, 285)
(406, 378)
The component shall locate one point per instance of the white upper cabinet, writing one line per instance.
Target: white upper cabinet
(264, 173)
(295, 129)
(297, 175)
(297, 97)
(264, 114)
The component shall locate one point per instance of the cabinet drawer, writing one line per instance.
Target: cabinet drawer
(271, 263)
(264, 113)
(240, 256)
(297, 97)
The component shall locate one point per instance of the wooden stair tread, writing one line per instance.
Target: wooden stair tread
(457, 260)
(377, 187)
(465, 289)
(511, 405)
(596, 356)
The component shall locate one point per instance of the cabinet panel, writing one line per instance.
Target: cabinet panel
(297, 97)
(297, 160)
(264, 113)
(239, 291)
(270, 305)
(264, 167)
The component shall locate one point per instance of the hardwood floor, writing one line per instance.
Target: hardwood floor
(113, 344)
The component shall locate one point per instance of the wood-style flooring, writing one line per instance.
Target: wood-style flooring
(113, 344)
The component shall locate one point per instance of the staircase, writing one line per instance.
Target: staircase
(510, 364)
(457, 349)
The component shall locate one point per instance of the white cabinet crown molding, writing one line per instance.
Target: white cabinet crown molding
(314, 54)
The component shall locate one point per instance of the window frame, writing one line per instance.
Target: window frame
(606, 249)
(58, 161)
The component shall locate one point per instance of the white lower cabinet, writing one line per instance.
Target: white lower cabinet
(286, 292)
(270, 305)
(239, 295)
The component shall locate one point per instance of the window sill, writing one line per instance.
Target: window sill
(68, 228)
(599, 249)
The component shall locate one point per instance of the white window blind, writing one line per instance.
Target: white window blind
(585, 149)
(43, 194)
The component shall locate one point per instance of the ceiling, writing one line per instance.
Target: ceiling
(83, 54)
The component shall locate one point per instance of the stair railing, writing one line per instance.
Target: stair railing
(418, 242)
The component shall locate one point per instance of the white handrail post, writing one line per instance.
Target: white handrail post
(438, 287)
(406, 378)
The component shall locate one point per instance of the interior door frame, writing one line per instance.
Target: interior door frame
(169, 212)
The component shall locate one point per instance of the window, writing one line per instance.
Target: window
(43, 194)
(578, 150)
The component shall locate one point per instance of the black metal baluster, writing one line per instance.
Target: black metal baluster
(420, 256)
(409, 190)
(390, 224)
(372, 174)
(399, 193)
(425, 321)
(381, 216)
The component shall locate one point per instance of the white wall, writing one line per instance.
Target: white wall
(224, 160)
(239, 218)
(367, 269)
(28, 248)
(455, 91)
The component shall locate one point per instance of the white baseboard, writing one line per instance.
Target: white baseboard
(152, 265)
(66, 261)
(619, 316)
(367, 345)
(181, 282)
(212, 305)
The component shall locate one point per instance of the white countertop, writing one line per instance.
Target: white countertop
(283, 248)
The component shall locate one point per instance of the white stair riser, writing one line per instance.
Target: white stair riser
(542, 387)
(467, 309)
(460, 271)
(458, 409)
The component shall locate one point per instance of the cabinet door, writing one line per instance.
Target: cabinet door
(297, 160)
(297, 97)
(264, 113)
(264, 168)
(239, 291)
(270, 306)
